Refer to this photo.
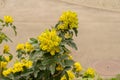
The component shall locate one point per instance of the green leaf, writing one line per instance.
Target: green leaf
(61, 50)
(4, 78)
(6, 24)
(66, 75)
(33, 40)
(52, 68)
(75, 31)
(1, 20)
(1, 40)
(36, 55)
(36, 73)
(118, 77)
(69, 62)
(114, 79)
(11, 76)
(64, 56)
(11, 56)
(14, 28)
(19, 55)
(7, 38)
(42, 67)
(57, 24)
(1, 58)
(25, 74)
(72, 44)
(65, 69)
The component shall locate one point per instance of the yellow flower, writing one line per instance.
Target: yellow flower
(63, 78)
(62, 26)
(18, 67)
(6, 49)
(68, 20)
(68, 35)
(70, 75)
(59, 68)
(77, 66)
(20, 47)
(70, 57)
(49, 41)
(28, 47)
(28, 64)
(7, 58)
(90, 72)
(7, 72)
(8, 19)
(3, 64)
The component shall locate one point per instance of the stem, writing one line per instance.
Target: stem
(57, 74)
(0, 70)
(1, 28)
(43, 78)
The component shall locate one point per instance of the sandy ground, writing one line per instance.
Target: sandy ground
(113, 5)
(98, 40)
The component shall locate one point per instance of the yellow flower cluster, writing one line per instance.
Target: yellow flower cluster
(70, 57)
(49, 41)
(90, 72)
(77, 66)
(7, 58)
(7, 72)
(18, 67)
(27, 47)
(27, 63)
(59, 68)
(3, 64)
(8, 19)
(68, 35)
(6, 49)
(70, 75)
(20, 47)
(68, 20)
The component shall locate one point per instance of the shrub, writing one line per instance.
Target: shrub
(47, 56)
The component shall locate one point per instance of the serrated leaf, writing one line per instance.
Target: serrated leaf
(75, 31)
(64, 56)
(36, 56)
(72, 44)
(69, 62)
(33, 40)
